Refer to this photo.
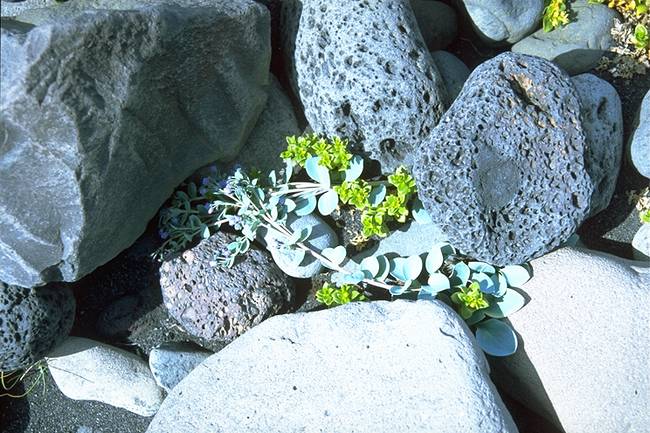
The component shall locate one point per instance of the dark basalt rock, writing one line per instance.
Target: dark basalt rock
(504, 171)
(217, 303)
(362, 71)
(32, 322)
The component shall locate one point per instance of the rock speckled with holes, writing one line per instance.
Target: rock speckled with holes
(504, 171)
(32, 322)
(602, 120)
(362, 71)
(218, 303)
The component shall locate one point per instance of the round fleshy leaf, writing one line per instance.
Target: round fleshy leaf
(505, 306)
(484, 281)
(500, 285)
(341, 278)
(516, 275)
(476, 317)
(445, 248)
(481, 267)
(377, 195)
(397, 290)
(305, 205)
(420, 214)
(335, 255)
(460, 274)
(355, 170)
(370, 264)
(434, 260)
(397, 268)
(328, 202)
(290, 205)
(317, 172)
(437, 282)
(384, 268)
(300, 236)
(496, 338)
(423, 295)
(413, 267)
(295, 256)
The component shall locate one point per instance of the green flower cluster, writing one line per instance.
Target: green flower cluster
(469, 300)
(555, 15)
(331, 295)
(333, 153)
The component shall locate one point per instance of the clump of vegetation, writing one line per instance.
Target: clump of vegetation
(28, 379)
(642, 200)
(331, 295)
(555, 15)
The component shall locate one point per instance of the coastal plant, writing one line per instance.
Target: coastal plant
(29, 378)
(641, 200)
(331, 295)
(555, 15)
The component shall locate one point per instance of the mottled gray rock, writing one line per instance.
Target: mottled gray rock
(362, 71)
(577, 46)
(584, 360)
(119, 315)
(437, 22)
(171, 362)
(322, 236)
(453, 71)
(602, 121)
(641, 242)
(504, 172)
(32, 322)
(639, 144)
(88, 370)
(11, 9)
(417, 361)
(504, 21)
(218, 303)
(268, 139)
(99, 138)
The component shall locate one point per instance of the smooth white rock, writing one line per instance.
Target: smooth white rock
(172, 362)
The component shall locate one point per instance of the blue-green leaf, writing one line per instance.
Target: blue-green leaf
(413, 267)
(290, 205)
(335, 255)
(317, 172)
(305, 205)
(516, 275)
(300, 236)
(424, 295)
(484, 281)
(434, 260)
(505, 306)
(397, 270)
(340, 278)
(437, 282)
(500, 285)
(328, 202)
(397, 290)
(384, 268)
(370, 264)
(294, 255)
(459, 275)
(481, 267)
(377, 195)
(206, 232)
(288, 170)
(476, 317)
(496, 338)
(420, 214)
(355, 170)
(445, 248)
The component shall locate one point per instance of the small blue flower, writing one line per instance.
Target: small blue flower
(205, 181)
(213, 168)
(163, 234)
(203, 190)
(223, 183)
(208, 207)
(174, 221)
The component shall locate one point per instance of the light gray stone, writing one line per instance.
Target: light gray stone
(362, 71)
(641, 243)
(364, 367)
(504, 172)
(504, 21)
(639, 144)
(453, 71)
(578, 46)
(88, 370)
(602, 121)
(98, 138)
(171, 362)
(437, 22)
(584, 359)
(322, 236)
(32, 322)
(11, 9)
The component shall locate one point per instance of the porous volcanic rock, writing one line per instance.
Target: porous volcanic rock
(504, 172)
(362, 71)
(219, 303)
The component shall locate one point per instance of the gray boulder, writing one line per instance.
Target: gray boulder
(504, 21)
(362, 71)
(584, 360)
(639, 144)
(171, 362)
(504, 172)
(88, 370)
(217, 303)
(102, 135)
(412, 363)
(578, 46)
(602, 120)
(322, 236)
(437, 22)
(32, 322)
(641, 243)
(453, 71)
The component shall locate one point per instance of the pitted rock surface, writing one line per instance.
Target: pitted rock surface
(99, 137)
(219, 303)
(32, 322)
(504, 171)
(602, 120)
(362, 71)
